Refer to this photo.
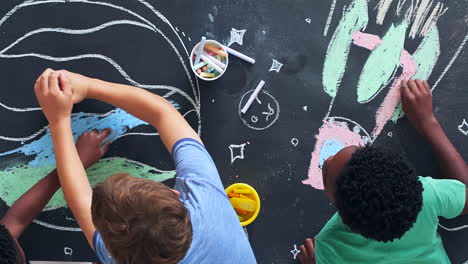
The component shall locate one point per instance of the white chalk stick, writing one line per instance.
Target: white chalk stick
(199, 51)
(212, 63)
(239, 55)
(252, 97)
(215, 60)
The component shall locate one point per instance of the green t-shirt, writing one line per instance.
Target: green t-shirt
(336, 243)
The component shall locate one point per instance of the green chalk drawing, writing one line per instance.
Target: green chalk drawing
(16, 181)
(355, 18)
(426, 57)
(382, 64)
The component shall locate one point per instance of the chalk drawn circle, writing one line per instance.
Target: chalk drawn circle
(264, 109)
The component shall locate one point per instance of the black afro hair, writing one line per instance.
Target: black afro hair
(8, 250)
(378, 194)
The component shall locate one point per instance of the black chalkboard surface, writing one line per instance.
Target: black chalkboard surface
(325, 78)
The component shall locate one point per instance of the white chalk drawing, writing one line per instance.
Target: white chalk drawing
(329, 18)
(447, 68)
(270, 109)
(295, 251)
(421, 14)
(276, 66)
(237, 36)
(254, 119)
(258, 100)
(211, 17)
(463, 128)
(68, 251)
(237, 151)
(295, 142)
(144, 21)
(304, 107)
(390, 134)
(454, 228)
(269, 113)
(308, 20)
(189, 39)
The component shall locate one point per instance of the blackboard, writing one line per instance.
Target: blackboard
(145, 43)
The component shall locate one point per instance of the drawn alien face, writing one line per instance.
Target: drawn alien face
(63, 39)
(263, 112)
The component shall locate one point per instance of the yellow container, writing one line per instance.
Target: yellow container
(250, 216)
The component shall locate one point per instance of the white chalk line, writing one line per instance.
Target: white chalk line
(56, 227)
(351, 121)
(455, 228)
(329, 19)
(155, 29)
(455, 56)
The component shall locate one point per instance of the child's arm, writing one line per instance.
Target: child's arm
(53, 91)
(145, 105)
(30, 204)
(417, 105)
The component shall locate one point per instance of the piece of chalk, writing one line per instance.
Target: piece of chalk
(216, 61)
(234, 195)
(211, 63)
(245, 197)
(239, 55)
(244, 204)
(240, 218)
(200, 50)
(207, 74)
(240, 211)
(215, 50)
(243, 191)
(199, 65)
(199, 70)
(252, 98)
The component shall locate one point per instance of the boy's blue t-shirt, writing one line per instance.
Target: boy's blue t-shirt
(217, 234)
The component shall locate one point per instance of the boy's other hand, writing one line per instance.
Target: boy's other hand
(307, 255)
(417, 104)
(90, 148)
(79, 85)
(53, 91)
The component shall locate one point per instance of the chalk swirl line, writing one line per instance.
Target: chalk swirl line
(196, 91)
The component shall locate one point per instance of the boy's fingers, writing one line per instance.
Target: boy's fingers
(105, 148)
(53, 83)
(404, 88)
(420, 86)
(426, 86)
(310, 247)
(412, 86)
(104, 133)
(64, 83)
(44, 81)
(304, 252)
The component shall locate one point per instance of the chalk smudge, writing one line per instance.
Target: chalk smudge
(333, 134)
(382, 64)
(16, 181)
(355, 18)
(119, 120)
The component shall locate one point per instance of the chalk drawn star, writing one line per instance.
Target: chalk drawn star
(295, 251)
(276, 66)
(237, 151)
(237, 36)
(463, 127)
(295, 142)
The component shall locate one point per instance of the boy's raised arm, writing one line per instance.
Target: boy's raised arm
(417, 105)
(147, 106)
(53, 91)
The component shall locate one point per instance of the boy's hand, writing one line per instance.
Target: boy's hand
(417, 104)
(53, 91)
(307, 255)
(89, 146)
(79, 85)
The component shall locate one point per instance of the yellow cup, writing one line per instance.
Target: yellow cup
(250, 216)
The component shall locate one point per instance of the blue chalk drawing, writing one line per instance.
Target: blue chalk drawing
(330, 148)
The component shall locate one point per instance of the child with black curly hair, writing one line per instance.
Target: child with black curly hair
(29, 205)
(386, 213)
